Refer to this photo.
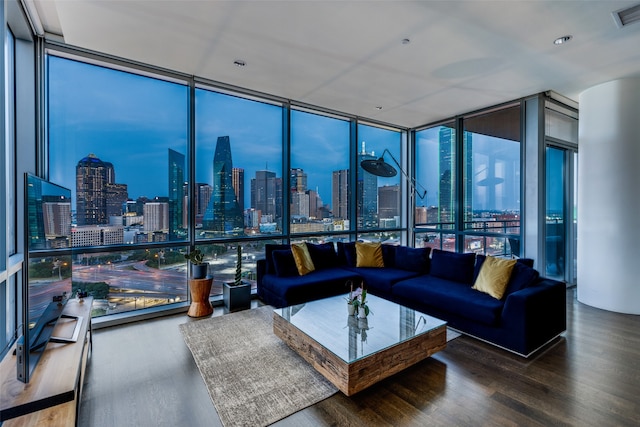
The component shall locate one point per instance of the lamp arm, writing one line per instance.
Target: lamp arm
(413, 183)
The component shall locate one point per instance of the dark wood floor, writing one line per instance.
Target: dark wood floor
(142, 374)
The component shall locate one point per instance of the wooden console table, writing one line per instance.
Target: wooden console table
(52, 396)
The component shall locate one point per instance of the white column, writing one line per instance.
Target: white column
(609, 196)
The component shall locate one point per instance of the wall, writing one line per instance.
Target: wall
(608, 199)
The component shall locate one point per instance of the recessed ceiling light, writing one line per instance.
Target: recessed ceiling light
(563, 39)
(239, 63)
(406, 41)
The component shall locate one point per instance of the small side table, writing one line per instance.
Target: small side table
(200, 304)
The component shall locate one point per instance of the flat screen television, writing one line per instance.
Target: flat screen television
(47, 283)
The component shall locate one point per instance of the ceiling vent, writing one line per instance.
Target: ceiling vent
(628, 16)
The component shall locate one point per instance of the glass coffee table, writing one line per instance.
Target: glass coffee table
(354, 353)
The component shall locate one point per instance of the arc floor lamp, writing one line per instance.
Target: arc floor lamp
(379, 167)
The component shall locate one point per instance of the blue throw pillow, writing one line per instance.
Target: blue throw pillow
(521, 276)
(413, 259)
(323, 255)
(268, 250)
(389, 255)
(453, 266)
(347, 253)
(283, 262)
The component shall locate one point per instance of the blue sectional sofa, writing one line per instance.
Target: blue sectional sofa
(531, 313)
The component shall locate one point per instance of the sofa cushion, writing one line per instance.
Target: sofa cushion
(453, 266)
(303, 260)
(494, 276)
(268, 257)
(283, 263)
(315, 285)
(450, 297)
(381, 279)
(413, 259)
(323, 255)
(369, 255)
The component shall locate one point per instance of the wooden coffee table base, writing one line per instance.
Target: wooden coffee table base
(353, 377)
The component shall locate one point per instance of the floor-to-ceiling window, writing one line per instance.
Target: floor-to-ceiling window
(491, 181)
(470, 168)
(319, 178)
(119, 140)
(379, 199)
(435, 213)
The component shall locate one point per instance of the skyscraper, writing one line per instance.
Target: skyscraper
(223, 213)
(367, 193)
(447, 194)
(340, 194)
(176, 194)
(237, 180)
(266, 194)
(116, 195)
(389, 201)
(91, 200)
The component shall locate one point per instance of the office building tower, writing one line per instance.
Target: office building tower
(315, 204)
(266, 194)
(223, 214)
(300, 205)
(91, 200)
(389, 201)
(447, 194)
(177, 228)
(367, 193)
(340, 194)
(116, 195)
(237, 181)
(156, 216)
(298, 180)
(203, 195)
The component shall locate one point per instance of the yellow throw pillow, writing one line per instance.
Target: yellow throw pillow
(494, 276)
(369, 255)
(301, 256)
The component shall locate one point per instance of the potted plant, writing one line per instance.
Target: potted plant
(237, 294)
(198, 266)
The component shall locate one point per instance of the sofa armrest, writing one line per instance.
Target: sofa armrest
(537, 313)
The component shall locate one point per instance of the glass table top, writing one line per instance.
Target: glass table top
(351, 338)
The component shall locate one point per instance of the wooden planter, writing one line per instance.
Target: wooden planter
(200, 304)
(236, 297)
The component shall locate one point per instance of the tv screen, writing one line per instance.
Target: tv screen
(48, 260)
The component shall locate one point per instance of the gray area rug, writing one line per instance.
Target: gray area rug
(253, 378)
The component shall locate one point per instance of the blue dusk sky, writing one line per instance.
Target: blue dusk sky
(132, 121)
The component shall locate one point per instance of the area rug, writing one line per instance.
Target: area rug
(253, 378)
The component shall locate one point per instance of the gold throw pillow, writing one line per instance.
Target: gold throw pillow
(494, 276)
(301, 256)
(369, 255)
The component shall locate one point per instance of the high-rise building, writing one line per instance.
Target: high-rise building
(340, 194)
(315, 204)
(156, 216)
(237, 180)
(389, 202)
(176, 194)
(116, 195)
(367, 192)
(91, 202)
(266, 194)
(447, 194)
(298, 180)
(203, 195)
(300, 204)
(223, 214)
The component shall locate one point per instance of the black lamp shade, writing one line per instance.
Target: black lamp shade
(379, 168)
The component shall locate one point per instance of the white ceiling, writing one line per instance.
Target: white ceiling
(348, 55)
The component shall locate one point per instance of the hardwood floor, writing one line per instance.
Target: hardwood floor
(142, 374)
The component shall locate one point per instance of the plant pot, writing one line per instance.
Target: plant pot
(351, 309)
(362, 313)
(236, 297)
(199, 271)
